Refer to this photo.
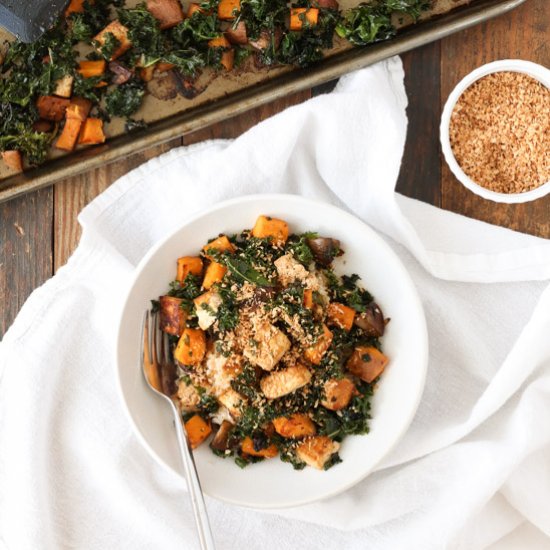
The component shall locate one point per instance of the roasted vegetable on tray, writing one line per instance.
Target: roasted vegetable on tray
(127, 47)
(276, 354)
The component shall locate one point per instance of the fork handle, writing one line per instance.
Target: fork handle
(195, 492)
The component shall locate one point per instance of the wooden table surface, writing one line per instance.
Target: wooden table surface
(38, 232)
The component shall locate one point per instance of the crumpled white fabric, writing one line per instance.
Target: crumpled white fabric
(475, 463)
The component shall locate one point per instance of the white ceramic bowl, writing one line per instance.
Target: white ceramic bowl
(540, 73)
(272, 483)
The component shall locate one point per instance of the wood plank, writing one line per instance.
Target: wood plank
(73, 194)
(25, 250)
(522, 34)
(421, 169)
(235, 126)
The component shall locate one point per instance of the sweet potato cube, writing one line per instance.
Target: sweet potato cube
(89, 69)
(79, 108)
(340, 315)
(76, 6)
(13, 160)
(338, 393)
(172, 316)
(69, 136)
(247, 447)
(227, 60)
(191, 347)
(120, 32)
(64, 86)
(303, 17)
(52, 108)
(92, 132)
(316, 451)
(215, 272)
(197, 430)
(221, 244)
(308, 298)
(266, 227)
(168, 12)
(367, 363)
(193, 8)
(237, 35)
(219, 42)
(294, 426)
(227, 9)
(146, 73)
(314, 354)
(163, 67)
(188, 265)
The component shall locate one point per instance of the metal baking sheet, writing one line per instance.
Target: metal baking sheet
(231, 94)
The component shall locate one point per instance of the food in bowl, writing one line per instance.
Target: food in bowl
(499, 132)
(276, 354)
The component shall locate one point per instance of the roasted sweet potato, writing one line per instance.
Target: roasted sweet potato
(219, 42)
(120, 32)
(89, 69)
(340, 315)
(227, 60)
(247, 447)
(191, 347)
(52, 108)
(146, 73)
(13, 160)
(168, 12)
(76, 6)
(221, 244)
(42, 126)
(92, 132)
(314, 354)
(79, 110)
(303, 17)
(237, 35)
(197, 430)
(194, 8)
(367, 363)
(308, 298)
(187, 265)
(294, 426)
(69, 136)
(227, 9)
(338, 393)
(215, 272)
(266, 227)
(172, 316)
(163, 67)
(64, 86)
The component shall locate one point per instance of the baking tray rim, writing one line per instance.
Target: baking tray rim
(259, 94)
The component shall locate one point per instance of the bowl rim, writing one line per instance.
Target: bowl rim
(422, 334)
(536, 71)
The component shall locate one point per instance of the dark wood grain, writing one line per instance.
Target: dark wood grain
(523, 34)
(73, 194)
(25, 250)
(421, 170)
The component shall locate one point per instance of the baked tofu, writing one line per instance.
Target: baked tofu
(232, 400)
(268, 346)
(188, 397)
(285, 381)
(316, 451)
(290, 270)
(207, 306)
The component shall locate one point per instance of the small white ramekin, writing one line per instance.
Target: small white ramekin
(540, 73)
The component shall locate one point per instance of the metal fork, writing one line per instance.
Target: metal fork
(155, 356)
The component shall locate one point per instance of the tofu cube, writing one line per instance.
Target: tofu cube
(268, 346)
(232, 401)
(284, 381)
(315, 451)
(207, 306)
(188, 397)
(290, 270)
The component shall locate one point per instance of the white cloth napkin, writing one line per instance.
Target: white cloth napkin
(475, 463)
